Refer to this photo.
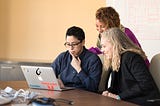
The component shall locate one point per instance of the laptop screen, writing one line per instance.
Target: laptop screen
(40, 77)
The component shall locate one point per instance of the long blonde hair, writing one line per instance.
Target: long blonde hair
(121, 43)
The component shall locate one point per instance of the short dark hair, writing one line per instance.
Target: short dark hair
(76, 32)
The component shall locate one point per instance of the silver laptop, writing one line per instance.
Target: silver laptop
(42, 78)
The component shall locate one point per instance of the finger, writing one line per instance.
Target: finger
(60, 83)
(71, 54)
(112, 95)
(109, 94)
(105, 93)
(73, 57)
(78, 59)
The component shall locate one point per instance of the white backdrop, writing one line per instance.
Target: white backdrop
(143, 18)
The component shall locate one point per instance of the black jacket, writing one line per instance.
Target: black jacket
(133, 82)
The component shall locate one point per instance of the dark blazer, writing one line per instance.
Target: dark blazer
(133, 82)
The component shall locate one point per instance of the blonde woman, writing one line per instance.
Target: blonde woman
(131, 81)
(106, 18)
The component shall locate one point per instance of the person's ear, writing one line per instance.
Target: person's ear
(83, 42)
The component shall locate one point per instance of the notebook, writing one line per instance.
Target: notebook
(42, 78)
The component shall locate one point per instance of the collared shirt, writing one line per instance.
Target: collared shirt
(88, 78)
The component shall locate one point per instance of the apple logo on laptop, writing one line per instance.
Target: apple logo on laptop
(38, 72)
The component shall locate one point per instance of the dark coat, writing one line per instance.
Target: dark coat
(133, 82)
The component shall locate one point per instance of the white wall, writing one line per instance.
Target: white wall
(143, 18)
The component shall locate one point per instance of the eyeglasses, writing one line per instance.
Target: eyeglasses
(67, 45)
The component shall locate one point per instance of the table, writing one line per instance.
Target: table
(80, 97)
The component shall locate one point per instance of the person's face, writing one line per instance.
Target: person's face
(74, 46)
(100, 26)
(107, 48)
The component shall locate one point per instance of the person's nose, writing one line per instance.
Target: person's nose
(71, 47)
(99, 29)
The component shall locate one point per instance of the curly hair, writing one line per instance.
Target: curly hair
(109, 16)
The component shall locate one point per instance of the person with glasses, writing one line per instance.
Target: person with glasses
(77, 67)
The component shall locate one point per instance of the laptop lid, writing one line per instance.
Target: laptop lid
(41, 77)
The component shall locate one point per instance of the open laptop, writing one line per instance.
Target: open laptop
(42, 78)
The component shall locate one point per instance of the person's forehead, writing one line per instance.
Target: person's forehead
(99, 21)
(104, 40)
(71, 38)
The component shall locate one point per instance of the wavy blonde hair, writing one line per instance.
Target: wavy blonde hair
(121, 44)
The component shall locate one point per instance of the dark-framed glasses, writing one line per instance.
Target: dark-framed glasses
(67, 45)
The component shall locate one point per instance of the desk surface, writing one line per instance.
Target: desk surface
(80, 97)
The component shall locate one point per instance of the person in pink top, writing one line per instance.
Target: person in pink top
(108, 17)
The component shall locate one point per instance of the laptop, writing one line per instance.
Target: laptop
(41, 77)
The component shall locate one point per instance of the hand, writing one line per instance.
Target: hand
(106, 93)
(60, 83)
(112, 95)
(76, 63)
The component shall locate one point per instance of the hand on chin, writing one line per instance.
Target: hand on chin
(73, 54)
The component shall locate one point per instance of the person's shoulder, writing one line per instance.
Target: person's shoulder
(62, 54)
(127, 57)
(130, 55)
(90, 53)
(128, 31)
(92, 56)
(95, 50)
(126, 28)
